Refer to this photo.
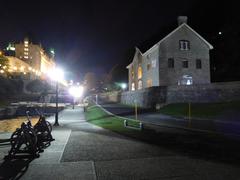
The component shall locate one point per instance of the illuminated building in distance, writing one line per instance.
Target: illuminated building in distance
(35, 56)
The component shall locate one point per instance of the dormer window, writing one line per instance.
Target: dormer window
(184, 45)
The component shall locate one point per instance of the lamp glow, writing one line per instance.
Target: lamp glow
(123, 85)
(56, 74)
(76, 91)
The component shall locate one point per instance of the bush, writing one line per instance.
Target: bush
(37, 86)
(9, 86)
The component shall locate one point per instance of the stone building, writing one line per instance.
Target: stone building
(35, 56)
(180, 58)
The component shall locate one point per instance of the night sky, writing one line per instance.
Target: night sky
(93, 36)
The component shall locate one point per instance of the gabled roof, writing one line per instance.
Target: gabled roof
(179, 27)
(136, 51)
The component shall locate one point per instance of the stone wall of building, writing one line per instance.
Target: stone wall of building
(169, 48)
(150, 97)
(114, 96)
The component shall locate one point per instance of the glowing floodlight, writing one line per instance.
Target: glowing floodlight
(56, 74)
(76, 91)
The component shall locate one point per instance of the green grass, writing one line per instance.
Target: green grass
(3, 103)
(201, 110)
(97, 116)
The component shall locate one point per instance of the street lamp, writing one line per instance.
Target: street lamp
(76, 92)
(56, 75)
(123, 86)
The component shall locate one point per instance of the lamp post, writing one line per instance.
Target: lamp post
(56, 75)
(56, 113)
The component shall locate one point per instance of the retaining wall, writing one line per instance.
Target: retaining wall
(150, 97)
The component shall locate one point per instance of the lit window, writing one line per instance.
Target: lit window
(26, 49)
(185, 64)
(26, 57)
(132, 73)
(184, 45)
(185, 80)
(25, 53)
(149, 83)
(154, 63)
(25, 44)
(140, 84)
(198, 64)
(133, 87)
(139, 72)
(170, 63)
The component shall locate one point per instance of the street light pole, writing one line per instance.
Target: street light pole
(56, 114)
(73, 102)
(56, 75)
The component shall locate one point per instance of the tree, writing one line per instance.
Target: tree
(90, 81)
(37, 86)
(4, 64)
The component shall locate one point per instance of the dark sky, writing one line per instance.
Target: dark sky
(93, 36)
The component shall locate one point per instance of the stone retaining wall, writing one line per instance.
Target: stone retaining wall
(150, 97)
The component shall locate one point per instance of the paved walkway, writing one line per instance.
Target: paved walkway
(84, 151)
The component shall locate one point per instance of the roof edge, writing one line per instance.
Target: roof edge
(183, 24)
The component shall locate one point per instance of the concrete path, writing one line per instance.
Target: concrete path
(84, 151)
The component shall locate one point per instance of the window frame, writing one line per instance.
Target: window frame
(184, 45)
(149, 66)
(185, 64)
(139, 72)
(140, 82)
(133, 86)
(149, 83)
(171, 63)
(198, 64)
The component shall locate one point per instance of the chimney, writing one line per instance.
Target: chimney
(182, 19)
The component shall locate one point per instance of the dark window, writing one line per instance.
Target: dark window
(185, 64)
(184, 45)
(148, 67)
(198, 64)
(170, 63)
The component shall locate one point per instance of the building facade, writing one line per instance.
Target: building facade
(35, 56)
(180, 58)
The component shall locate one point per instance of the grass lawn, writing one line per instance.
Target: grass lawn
(97, 116)
(201, 110)
(10, 125)
(3, 103)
